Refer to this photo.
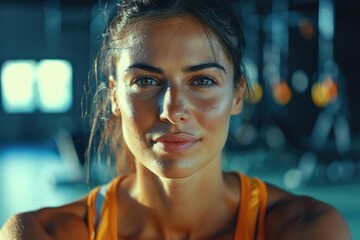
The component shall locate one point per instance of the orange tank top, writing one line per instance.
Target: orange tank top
(102, 209)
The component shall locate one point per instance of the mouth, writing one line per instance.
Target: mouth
(175, 143)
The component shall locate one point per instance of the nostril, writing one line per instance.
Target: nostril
(172, 107)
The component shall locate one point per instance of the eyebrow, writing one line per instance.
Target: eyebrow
(202, 66)
(193, 68)
(145, 67)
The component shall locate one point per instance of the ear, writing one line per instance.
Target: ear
(114, 100)
(237, 103)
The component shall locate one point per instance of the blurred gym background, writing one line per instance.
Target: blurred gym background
(301, 131)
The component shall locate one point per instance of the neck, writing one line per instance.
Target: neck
(185, 204)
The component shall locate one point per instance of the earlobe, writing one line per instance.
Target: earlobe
(237, 103)
(114, 100)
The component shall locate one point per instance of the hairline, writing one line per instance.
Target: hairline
(156, 16)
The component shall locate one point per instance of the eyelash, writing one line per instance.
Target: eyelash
(208, 80)
(138, 81)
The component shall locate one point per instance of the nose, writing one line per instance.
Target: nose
(173, 106)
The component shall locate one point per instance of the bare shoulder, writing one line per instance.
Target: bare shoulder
(65, 222)
(300, 217)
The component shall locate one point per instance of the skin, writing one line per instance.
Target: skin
(174, 102)
(167, 87)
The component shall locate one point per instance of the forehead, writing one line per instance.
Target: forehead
(182, 38)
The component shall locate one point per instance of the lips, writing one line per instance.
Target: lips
(175, 143)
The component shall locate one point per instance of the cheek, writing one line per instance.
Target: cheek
(214, 118)
(214, 112)
(137, 114)
(127, 108)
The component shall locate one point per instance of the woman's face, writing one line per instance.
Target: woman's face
(175, 92)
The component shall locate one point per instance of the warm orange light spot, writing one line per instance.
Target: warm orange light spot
(331, 88)
(306, 29)
(324, 92)
(282, 93)
(318, 95)
(257, 95)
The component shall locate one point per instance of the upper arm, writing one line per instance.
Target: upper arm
(24, 226)
(67, 222)
(325, 224)
(305, 218)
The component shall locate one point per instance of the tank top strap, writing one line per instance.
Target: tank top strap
(251, 217)
(102, 210)
(91, 212)
(262, 209)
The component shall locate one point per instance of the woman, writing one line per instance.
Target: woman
(173, 80)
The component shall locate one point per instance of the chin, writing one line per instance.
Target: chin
(174, 169)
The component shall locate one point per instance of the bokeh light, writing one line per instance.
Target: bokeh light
(306, 29)
(274, 137)
(257, 93)
(17, 86)
(293, 178)
(322, 93)
(299, 81)
(282, 93)
(55, 85)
